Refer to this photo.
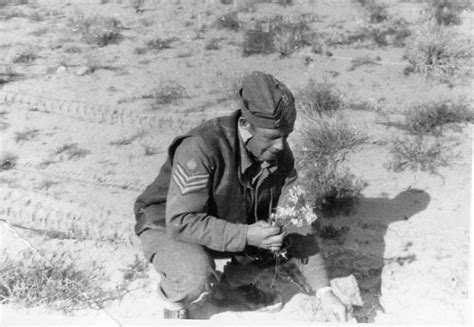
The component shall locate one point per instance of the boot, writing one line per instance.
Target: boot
(249, 296)
(175, 314)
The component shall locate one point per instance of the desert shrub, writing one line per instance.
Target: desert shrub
(97, 30)
(25, 56)
(333, 191)
(323, 144)
(228, 21)
(431, 117)
(136, 270)
(229, 83)
(321, 98)
(8, 160)
(25, 135)
(166, 93)
(128, 139)
(392, 32)
(160, 44)
(438, 52)
(56, 283)
(326, 140)
(420, 153)
(137, 5)
(280, 34)
(447, 12)
(257, 41)
(290, 36)
(361, 61)
(71, 151)
(213, 44)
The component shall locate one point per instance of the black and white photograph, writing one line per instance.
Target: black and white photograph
(255, 162)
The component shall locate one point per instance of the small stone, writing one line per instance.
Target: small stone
(61, 69)
(347, 290)
(83, 70)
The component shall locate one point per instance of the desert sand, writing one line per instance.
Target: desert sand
(407, 240)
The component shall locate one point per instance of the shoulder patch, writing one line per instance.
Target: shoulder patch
(187, 182)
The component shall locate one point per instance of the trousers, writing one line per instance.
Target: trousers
(188, 270)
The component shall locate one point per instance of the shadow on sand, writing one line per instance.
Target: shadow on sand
(360, 249)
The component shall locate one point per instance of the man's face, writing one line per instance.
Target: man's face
(265, 143)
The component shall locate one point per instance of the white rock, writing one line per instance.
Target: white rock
(61, 69)
(83, 70)
(347, 289)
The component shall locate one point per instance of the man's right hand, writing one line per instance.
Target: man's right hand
(265, 236)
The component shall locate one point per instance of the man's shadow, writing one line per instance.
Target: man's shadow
(352, 244)
(355, 243)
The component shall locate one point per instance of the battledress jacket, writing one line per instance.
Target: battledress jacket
(202, 196)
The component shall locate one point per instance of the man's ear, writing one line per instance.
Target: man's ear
(245, 124)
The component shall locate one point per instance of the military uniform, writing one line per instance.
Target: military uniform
(200, 205)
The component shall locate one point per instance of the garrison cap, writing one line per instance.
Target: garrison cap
(267, 102)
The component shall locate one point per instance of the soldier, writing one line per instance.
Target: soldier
(213, 198)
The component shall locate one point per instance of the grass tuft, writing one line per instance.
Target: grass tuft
(72, 151)
(321, 98)
(97, 30)
(447, 12)
(439, 52)
(8, 160)
(420, 153)
(431, 117)
(25, 56)
(56, 283)
(228, 21)
(26, 135)
(166, 93)
(257, 41)
(128, 140)
(323, 144)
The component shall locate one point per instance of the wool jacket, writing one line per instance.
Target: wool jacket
(202, 193)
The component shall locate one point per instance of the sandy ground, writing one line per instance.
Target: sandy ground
(407, 241)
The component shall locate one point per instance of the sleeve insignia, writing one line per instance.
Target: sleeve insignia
(188, 183)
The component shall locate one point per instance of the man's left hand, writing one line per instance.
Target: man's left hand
(333, 307)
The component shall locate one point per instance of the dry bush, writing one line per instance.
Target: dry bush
(8, 160)
(229, 83)
(56, 283)
(391, 32)
(362, 61)
(128, 139)
(156, 44)
(447, 12)
(321, 98)
(433, 116)
(258, 41)
(422, 153)
(25, 56)
(136, 270)
(322, 146)
(289, 35)
(280, 34)
(166, 93)
(97, 30)
(377, 11)
(71, 151)
(228, 21)
(213, 44)
(26, 135)
(439, 52)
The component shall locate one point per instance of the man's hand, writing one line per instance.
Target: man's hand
(265, 236)
(333, 308)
